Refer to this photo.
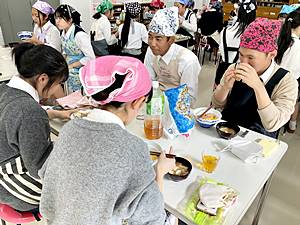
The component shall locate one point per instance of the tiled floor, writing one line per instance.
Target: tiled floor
(283, 202)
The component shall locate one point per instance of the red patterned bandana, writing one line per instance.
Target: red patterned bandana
(261, 35)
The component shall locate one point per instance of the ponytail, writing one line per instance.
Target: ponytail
(284, 41)
(244, 19)
(76, 18)
(125, 30)
(51, 18)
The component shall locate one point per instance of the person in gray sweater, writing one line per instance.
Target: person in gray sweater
(24, 127)
(98, 172)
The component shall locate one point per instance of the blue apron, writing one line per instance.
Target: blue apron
(73, 54)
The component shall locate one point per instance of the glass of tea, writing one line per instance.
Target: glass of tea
(210, 160)
(153, 127)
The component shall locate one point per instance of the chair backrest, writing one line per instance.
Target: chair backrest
(10, 215)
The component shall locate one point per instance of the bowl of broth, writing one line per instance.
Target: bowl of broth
(227, 130)
(181, 171)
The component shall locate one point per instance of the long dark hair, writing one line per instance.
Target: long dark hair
(244, 19)
(67, 12)
(125, 29)
(32, 60)
(285, 39)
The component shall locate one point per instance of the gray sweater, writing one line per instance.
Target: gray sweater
(24, 146)
(99, 174)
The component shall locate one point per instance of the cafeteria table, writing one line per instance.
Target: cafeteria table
(248, 179)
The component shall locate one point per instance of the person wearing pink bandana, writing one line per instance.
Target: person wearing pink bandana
(101, 170)
(257, 93)
(45, 31)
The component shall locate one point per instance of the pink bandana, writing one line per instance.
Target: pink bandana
(43, 7)
(100, 73)
(261, 35)
(157, 4)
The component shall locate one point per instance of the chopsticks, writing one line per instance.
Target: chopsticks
(158, 154)
(208, 108)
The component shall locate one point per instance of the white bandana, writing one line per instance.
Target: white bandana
(165, 22)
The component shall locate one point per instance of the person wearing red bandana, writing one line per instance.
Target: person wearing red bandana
(257, 93)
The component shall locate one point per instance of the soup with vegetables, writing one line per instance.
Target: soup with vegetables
(227, 130)
(180, 170)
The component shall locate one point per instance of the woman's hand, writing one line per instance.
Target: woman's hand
(229, 79)
(248, 75)
(223, 89)
(60, 114)
(34, 40)
(165, 164)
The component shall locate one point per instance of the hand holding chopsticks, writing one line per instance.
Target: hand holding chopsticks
(170, 156)
(164, 165)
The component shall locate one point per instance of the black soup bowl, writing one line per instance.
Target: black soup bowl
(182, 170)
(227, 130)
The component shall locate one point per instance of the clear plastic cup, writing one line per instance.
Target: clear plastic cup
(210, 160)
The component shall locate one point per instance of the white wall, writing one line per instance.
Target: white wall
(1, 38)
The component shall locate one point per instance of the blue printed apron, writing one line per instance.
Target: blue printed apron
(73, 54)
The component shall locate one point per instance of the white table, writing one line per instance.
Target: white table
(7, 66)
(247, 179)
